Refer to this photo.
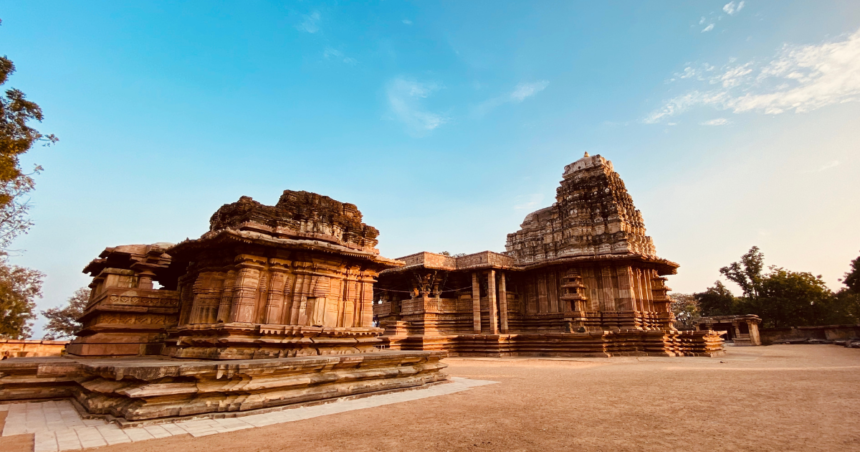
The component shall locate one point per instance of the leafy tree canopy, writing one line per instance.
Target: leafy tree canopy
(717, 300)
(852, 278)
(686, 310)
(747, 272)
(790, 298)
(781, 297)
(19, 288)
(63, 320)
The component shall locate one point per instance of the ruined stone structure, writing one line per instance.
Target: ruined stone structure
(125, 315)
(580, 278)
(740, 329)
(272, 306)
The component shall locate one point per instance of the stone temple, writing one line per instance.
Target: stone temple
(293, 304)
(580, 278)
(271, 307)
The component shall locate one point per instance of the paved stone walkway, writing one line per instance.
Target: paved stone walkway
(57, 425)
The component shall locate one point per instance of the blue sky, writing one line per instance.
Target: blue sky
(732, 123)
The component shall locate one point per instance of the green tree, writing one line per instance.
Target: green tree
(16, 138)
(63, 321)
(19, 288)
(846, 302)
(781, 297)
(852, 278)
(747, 273)
(844, 308)
(717, 300)
(686, 310)
(790, 298)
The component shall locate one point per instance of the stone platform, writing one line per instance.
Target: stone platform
(131, 390)
(596, 344)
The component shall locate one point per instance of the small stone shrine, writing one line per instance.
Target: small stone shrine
(741, 330)
(271, 307)
(580, 278)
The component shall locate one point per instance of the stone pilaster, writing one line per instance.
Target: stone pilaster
(275, 300)
(245, 294)
(298, 296)
(286, 314)
(226, 297)
(366, 314)
(608, 292)
(625, 288)
(476, 303)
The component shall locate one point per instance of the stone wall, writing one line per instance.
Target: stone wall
(22, 348)
(805, 333)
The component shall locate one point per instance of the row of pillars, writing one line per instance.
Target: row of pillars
(491, 296)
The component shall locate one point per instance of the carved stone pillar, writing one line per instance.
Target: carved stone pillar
(226, 297)
(503, 302)
(647, 289)
(366, 314)
(317, 309)
(275, 300)
(640, 292)
(625, 288)
(144, 279)
(476, 303)
(299, 289)
(289, 289)
(491, 299)
(207, 294)
(608, 292)
(245, 294)
(352, 299)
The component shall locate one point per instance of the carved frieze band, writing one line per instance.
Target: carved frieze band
(141, 301)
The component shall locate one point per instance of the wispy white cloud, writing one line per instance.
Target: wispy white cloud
(331, 53)
(734, 76)
(520, 93)
(525, 90)
(699, 73)
(405, 99)
(407, 22)
(702, 20)
(310, 22)
(716, 122)
(797, 79)
(529, 202)
(732, 8)
(829, 165)
(708, 28)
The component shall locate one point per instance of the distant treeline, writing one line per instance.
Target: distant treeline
(782, 298)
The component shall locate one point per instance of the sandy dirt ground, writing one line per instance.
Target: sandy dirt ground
(784, 397)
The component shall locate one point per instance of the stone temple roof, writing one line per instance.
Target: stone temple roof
(593, 216)
(299, 215)
(593, 219)
(299, 221)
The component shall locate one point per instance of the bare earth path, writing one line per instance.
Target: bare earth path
(785, 397)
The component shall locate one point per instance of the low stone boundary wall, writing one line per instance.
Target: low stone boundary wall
(23, 348)
(806, 333)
